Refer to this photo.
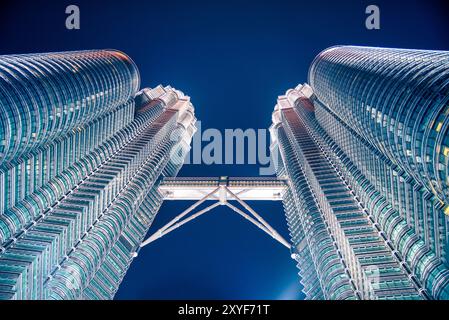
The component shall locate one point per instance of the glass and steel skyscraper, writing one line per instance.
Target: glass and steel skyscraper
(365, 148)
(82, 152)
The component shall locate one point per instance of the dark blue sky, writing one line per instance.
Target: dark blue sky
(233, 58)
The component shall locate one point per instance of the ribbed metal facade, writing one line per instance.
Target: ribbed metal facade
(82, 155)
(366, 140)
(45, 95)
(397, 100)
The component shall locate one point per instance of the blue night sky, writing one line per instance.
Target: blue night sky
(233, 58)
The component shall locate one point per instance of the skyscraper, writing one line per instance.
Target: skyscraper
(86, 160)
(365, 148)
(82, 152)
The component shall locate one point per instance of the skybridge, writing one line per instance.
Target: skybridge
(233, 192)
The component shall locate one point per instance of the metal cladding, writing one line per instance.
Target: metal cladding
(363, 150)
(43, 96)
(397, 100)
(80, 169)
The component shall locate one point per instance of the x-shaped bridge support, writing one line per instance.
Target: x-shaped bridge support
(222, 194)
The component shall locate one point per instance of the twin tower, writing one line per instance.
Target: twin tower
(363, 149)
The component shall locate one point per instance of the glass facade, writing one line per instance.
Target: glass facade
(81, 155)
(365, 145)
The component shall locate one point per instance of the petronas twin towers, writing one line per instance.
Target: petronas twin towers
(82, 155)
(363, 148)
